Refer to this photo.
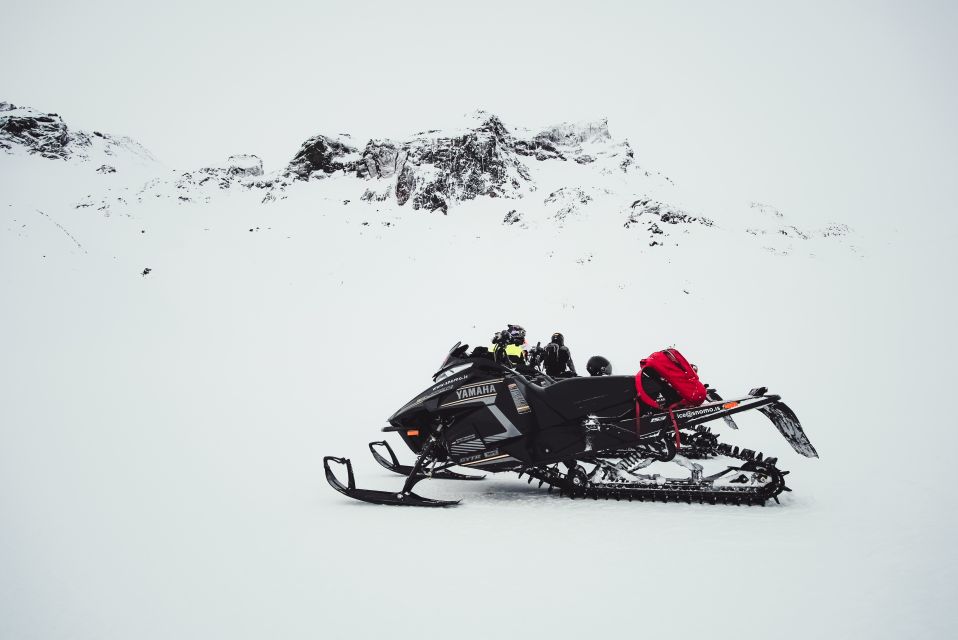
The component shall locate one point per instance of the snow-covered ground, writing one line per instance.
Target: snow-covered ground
(161, 435)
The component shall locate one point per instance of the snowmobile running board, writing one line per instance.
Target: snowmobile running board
(404, 470)
(401, 498)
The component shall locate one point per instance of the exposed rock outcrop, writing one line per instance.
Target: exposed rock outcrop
(381, 159)
(433, 170)
(47, 135)
(655, 215)
(322, 155)
(42, 133)
(246, 166)
(569, 201)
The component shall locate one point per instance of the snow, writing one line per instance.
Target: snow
(160, 474)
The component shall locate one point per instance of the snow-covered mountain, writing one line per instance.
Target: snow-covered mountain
(26, 130)
(560, 175)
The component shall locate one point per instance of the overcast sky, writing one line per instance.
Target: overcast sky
(827, 109)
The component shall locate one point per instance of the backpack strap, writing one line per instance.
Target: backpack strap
(675, 425)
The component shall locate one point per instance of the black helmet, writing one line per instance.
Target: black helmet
(558, 338)
(517, 335)
(599, 366)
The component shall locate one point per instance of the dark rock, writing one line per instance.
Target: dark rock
(569, 200)
(321, 155)
(664, 213)
(480, 162)
(380, 159)
(540, 147)
(244, 166)
(405, 185)
(45, 134)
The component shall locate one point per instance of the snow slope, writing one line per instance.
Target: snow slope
(160, 474)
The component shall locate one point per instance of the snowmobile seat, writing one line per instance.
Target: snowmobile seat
(571, 399)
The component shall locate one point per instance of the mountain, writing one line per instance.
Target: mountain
(27, 130)
(554, 177)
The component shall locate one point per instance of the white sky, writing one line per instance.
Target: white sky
(830, 110)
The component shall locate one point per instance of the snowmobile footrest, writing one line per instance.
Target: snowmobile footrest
(408, 499)
(392, 463)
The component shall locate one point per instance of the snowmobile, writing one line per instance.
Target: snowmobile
(588, 437)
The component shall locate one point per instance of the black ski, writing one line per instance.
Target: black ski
(404, 498)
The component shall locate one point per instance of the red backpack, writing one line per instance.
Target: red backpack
(672, 367)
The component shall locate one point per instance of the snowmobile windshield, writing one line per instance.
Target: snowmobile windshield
(457, 352)
(450, 371)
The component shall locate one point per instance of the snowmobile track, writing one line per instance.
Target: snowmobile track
(672, 490)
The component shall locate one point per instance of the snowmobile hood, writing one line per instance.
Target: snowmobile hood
(455, 373)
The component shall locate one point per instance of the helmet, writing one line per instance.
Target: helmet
(558, 338)
(599, 366)
(517, 335)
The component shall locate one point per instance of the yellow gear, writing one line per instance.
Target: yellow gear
(513, 351)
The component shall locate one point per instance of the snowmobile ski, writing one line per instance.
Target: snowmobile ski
(405, 497)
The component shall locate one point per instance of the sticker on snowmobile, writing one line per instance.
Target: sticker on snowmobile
(475, 392)
(480, 391)
(521, 405)
(480, 456)
(696, 412)
(469, 444)
(492, 457)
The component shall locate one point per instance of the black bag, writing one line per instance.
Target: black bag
(556, 358)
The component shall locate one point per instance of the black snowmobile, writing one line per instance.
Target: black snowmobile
(586, 437)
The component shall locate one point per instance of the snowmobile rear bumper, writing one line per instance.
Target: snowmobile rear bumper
(788, 425)
(405, 499)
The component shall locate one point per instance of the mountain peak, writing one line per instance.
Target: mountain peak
(47, 135)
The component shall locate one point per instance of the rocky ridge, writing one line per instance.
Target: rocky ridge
(47, 135)
(433, 170)
(559, 175)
